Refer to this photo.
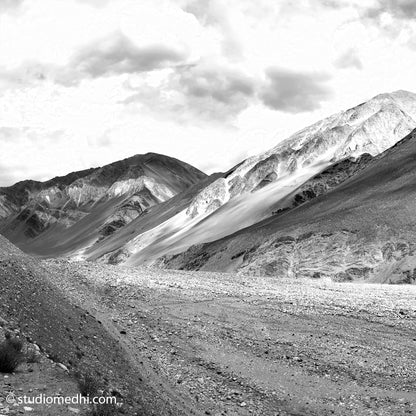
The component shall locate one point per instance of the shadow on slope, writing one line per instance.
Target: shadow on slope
(364, 228)
(113, 250)
(65, 215)
(267, 182)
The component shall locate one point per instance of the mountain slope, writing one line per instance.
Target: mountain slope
(112, 249)
(364, 228)
(75, 210)
(114, 214)
(264, 184)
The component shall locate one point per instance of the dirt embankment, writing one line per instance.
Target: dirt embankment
(72, 336)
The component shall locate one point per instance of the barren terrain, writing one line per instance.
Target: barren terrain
(226, 344)
(34, 379)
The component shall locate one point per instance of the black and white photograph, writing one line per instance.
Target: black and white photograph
(208, 207)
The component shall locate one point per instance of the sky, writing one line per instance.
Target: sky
(84, 83)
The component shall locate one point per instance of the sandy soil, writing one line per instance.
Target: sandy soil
(222, 344)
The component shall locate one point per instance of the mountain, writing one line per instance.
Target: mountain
(132, 220)
(365, 228)
(274, 181)
(68, 213)
(113, 249)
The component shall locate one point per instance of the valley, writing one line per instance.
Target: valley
(284, 286)
(227, 344)
(232, 345)
(150, 209)
(207, 208)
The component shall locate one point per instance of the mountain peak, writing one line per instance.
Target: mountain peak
(29, 208)
(395, 95)
(250, 191)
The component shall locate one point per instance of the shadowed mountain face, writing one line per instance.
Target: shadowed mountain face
(365, 228)
(78, 209)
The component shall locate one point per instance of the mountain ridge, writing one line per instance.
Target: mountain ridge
(156, 223)
(362, 229)
(30, 207)
(252, 190)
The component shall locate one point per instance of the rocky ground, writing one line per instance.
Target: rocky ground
(32, 302)
(36, 377)
(226, 344)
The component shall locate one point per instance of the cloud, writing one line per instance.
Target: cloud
(334, 4)
(10, 5)
(113, 55)
(213, 13)
(218, 93)
(295, 92)
(9, 134)
(204, 11)
(28, 73)
(103, 140)
(402, 9)
(117, 54)
(12, 172)
(348, 59)
(215, 84)
(95, 3)
(7, 176)
(394, 18)
(211, 92)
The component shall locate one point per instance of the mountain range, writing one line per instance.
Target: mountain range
(64, 213)
(333, 200)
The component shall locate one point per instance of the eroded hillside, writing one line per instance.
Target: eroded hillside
(364, 229)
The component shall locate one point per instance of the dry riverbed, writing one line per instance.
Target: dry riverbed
(226, 344)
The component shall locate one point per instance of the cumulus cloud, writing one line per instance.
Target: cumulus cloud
(207, 91)
(402, 9)
(28, 73)
(294, 92)
(215, 85)
(213, 13)
(117, 54)
(348, 59)
(394, 18)
(204, 11)
(113, 55)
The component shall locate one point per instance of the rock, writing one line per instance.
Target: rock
(63, 367)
